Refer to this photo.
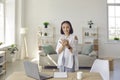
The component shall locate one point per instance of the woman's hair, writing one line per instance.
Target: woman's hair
(71, 29)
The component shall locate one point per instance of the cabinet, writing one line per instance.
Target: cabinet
(90, 35)
(45, 35)
(2, 62)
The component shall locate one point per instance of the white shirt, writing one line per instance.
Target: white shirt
(68, 55)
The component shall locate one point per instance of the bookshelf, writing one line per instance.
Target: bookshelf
(2, 62)
(90, 36)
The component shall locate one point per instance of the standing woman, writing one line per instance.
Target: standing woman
(67, 49)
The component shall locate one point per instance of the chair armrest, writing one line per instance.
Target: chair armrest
(93, 53)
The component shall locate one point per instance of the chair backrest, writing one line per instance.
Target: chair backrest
(101, 66)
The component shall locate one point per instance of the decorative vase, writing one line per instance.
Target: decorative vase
(45, 34)
(90, 26)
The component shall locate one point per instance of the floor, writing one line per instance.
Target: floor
(12, 67)
(18, 66)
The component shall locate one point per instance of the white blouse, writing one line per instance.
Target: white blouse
(67, 54)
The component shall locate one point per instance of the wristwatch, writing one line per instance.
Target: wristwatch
(69, 47)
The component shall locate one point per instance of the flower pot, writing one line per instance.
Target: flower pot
(90, 26)
(45, 34)
(13, 58)
(46, 26)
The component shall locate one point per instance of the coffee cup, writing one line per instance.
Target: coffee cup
(79, 75)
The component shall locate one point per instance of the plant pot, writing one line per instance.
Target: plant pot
(90, 26)
(13, 57)
(45, 34)
(46, 26)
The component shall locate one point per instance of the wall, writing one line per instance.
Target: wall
(79, 12)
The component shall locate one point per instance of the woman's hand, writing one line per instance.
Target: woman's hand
(64, 42)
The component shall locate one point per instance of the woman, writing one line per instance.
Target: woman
(67, 49)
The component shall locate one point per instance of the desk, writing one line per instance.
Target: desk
(71, 76)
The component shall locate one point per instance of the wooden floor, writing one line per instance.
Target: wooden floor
(18, 66)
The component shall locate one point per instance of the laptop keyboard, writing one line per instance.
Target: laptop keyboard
(45, 76)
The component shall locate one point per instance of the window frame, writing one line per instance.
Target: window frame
(9, 22)
(3, 24)
(114, 17)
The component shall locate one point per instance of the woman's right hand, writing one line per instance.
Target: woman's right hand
(64, 42)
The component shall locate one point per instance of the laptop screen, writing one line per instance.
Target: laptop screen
(31, 70)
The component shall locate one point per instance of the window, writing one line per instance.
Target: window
(1, 22)
(7, 22)
(113, 19)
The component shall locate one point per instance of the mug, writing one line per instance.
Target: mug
(79, 75)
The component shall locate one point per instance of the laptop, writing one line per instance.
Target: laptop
(31, 70)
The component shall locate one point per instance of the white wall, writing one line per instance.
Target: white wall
(79, 12)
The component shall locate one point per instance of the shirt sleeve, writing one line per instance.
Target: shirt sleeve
(58, 45)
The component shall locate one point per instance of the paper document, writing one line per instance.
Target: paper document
(60, 74)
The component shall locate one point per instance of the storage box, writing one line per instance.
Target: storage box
(1, 59)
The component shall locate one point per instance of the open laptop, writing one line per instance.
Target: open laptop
(31, 70)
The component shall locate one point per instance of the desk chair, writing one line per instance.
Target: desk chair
(101, 66)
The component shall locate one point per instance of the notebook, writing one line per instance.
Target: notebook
(31, 70)
(60, 74)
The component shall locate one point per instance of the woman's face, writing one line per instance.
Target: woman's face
(66, 28)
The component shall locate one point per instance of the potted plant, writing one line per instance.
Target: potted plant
(116, 38)
(46, 24)
(12, 49)
(90, 23)
(45, 34)
(0, 43)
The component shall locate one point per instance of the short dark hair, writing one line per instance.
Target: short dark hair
(68, 22)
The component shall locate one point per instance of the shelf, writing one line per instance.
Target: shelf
(3, 71)
(95, 37)
(2, 63)
(46, 35)
(90, 36)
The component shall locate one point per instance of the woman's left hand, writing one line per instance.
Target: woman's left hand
(66, 42)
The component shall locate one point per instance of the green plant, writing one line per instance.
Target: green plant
(90, 23)
(12, 49)
(46, 24)
(0, 43)
(116, 38)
